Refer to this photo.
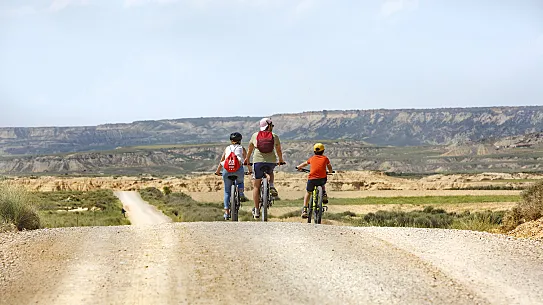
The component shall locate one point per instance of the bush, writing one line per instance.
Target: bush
(529, 208)
(181, 207)
(429, 218)
(167, 190)
(16, 208)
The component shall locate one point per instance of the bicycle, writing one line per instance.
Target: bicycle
(315, 205)
(266, 201)
(235, 202)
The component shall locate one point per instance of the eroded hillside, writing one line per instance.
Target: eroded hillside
(381, 127)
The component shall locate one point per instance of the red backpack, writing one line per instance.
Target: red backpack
(265, 142)
(231, 163)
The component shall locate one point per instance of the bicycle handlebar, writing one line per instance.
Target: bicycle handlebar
(279, 163)
(307, 171)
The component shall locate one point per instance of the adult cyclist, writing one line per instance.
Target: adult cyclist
(267, 149)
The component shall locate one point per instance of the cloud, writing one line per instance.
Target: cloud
(391, 7)
(539, 43)
(20, 11)
(304, 6)
(132, 3)
(59, 5)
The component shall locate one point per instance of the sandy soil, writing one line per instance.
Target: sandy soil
(267, 263)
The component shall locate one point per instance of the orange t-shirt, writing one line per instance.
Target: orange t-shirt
(318, 167)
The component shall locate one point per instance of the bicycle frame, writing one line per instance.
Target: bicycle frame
(266, 200)
(315, 207)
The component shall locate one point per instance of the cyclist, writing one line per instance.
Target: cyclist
(267, 145)
(240, 153)
(317, 174)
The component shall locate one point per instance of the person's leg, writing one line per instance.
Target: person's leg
(227, 192)
(324, 194)
(257, 179)
(241, 184)
(273, 190)
(309, 189)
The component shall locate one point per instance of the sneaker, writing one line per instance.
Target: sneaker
(324, 198)
(226, 216)
(256, 213)
(304, 213)
(273, 191)
(242, 198)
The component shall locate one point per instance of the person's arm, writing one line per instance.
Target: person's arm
(249, 168)
(249, 154)
(219, 168)
(329, 166)
(302, 165)
(279, 151)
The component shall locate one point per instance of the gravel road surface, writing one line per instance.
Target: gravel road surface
(263, 263)
(140, 212)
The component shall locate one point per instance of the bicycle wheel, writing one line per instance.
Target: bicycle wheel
(234, 203)
(264, 193)
(318, 206)
(310, 207)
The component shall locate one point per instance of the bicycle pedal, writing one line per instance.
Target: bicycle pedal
(325, 208)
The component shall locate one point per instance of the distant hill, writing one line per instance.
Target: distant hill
(406, 127)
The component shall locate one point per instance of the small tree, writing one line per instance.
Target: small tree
(167, 190)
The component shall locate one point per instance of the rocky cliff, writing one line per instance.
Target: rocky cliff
(381, 127)
(344, 155)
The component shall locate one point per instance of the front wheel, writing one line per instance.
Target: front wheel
(264, 197)
(318, 206)
(234, 203)
(310, 208)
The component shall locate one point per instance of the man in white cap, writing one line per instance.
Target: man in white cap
(267, 145)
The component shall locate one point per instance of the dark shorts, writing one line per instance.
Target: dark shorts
(258, 171)
(311, 184)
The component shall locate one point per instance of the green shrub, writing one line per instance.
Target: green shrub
(419, 219)
(530, 207)
(151, 193)
(478, 221)
(167, 190)
(16, 208)
(181, 207)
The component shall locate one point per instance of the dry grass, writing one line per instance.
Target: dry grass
(17, 208)
(529, 208)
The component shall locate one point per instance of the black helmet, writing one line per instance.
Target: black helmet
(235, 137)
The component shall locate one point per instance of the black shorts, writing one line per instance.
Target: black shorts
(258, 170)
(311, 184)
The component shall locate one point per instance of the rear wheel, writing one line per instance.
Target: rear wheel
(234, 203)
(318, 205)
(310, 208)
(265, 191)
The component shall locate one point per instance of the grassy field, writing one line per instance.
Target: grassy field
(182, 208)
(428, 217)
(419, 200)
(423, 211)
(73, 209)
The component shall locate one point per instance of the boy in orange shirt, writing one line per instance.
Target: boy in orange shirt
(317, 174)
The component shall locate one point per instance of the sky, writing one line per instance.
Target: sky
(88, 62)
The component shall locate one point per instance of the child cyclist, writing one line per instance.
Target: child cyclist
(317, 174)
(231, 153)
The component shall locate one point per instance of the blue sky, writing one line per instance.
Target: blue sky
(86, 62)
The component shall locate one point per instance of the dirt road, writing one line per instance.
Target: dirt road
(262, 263)
(140, 212)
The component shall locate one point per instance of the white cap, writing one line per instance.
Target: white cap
(264, 123)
